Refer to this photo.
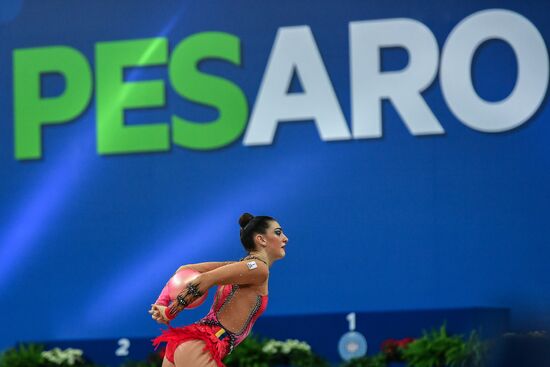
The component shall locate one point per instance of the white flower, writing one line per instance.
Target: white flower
(272, 346)
(286, 347)
(68, 356)
(296, 344)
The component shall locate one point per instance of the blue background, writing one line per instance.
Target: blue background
(396, 223)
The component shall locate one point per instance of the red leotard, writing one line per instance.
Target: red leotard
(219, 341)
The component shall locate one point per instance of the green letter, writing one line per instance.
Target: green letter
(114, 96)
(209, 90)
(31, 110)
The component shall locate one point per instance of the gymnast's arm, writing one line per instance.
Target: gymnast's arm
(164, 298)
(237, 273)
(242, 272)
(204, 267)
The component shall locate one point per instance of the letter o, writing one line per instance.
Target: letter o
(455, 72)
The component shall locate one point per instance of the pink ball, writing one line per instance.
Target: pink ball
(178, 284)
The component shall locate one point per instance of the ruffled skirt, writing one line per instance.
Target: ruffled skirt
(217, 348)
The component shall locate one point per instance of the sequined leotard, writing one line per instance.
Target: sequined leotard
(219, 341)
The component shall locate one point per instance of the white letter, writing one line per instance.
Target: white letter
(456, 63)
(295, 49)
(369, 85)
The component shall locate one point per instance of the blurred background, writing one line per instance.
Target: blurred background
(93, 222)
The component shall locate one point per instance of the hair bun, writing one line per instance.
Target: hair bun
(245, 219)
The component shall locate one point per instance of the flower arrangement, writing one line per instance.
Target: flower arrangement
(274, 347)
(433, 349)
(34, 355)
(437, 349)
(67, 357)
(253, 352)
(291, 352)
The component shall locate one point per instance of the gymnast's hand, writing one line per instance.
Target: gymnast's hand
(157, 314)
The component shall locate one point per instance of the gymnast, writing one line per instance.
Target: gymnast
(240, 299)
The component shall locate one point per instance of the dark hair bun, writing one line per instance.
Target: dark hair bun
(251, 225)
(245, 219)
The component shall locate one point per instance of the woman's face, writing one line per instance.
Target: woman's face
(276, 240)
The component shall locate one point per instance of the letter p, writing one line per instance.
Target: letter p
(31, 109)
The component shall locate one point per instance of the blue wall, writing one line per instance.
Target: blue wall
(394, 223)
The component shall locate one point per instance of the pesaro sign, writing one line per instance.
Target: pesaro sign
(294, 51)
